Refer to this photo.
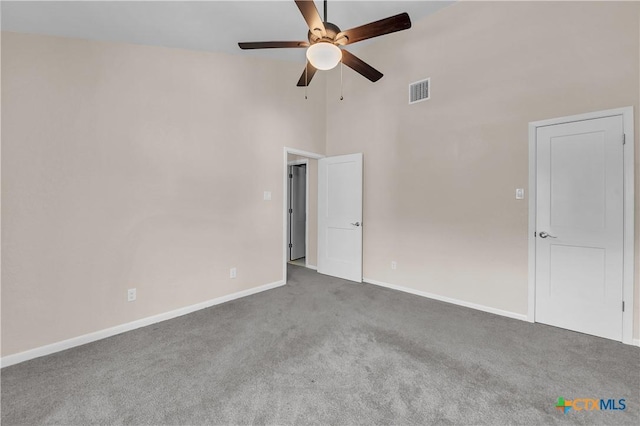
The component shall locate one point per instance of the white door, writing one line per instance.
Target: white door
(579, 226)
(340, 216)
(297, 210)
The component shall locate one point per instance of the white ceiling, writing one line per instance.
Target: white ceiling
(197, 25)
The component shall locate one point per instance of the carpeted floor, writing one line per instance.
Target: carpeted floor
(321, 350)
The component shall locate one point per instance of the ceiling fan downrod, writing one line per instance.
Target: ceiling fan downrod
(325, 11)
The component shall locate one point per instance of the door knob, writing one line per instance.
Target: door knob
(545, 235)
(356, 224)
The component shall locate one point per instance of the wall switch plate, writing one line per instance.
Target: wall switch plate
(520, 194)
(394, 265)
(267, 195)
(233, 273)
(131, 295)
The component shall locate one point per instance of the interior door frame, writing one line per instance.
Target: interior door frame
(285, 207)
(304, 161)
(628, 210)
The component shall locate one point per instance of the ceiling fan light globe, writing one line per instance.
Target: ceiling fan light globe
(324, 56)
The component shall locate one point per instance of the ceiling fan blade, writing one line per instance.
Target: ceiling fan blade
(306, 79)
(272, 44)
(359, 66)
(311, 15)
(374, 29)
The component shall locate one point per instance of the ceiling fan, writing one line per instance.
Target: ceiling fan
(325, 40)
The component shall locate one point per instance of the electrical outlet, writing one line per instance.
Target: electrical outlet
(233, 273)
(520, 194)
(131, 295)
(394, 265)
(267, 195)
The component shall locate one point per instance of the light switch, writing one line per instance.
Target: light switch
(267, 195)
(520, 194)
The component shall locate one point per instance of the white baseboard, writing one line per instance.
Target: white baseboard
(483, 308)
(103, 334)
(314, 267)
(636, 342)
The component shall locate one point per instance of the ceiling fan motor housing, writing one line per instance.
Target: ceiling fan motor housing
(331, 30)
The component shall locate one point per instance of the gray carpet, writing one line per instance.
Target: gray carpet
(322, 350)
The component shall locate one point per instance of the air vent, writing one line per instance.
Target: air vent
(419, 91)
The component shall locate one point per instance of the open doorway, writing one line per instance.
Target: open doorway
(329, 181)
(297, 218)
(300, 209)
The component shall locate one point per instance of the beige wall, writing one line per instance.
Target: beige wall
(312, 213)
(440, 176)
(131, 166)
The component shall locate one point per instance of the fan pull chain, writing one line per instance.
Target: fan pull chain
(306, 83)
(341, 91)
